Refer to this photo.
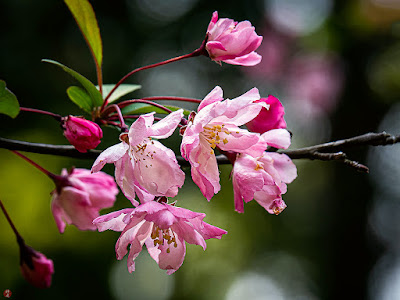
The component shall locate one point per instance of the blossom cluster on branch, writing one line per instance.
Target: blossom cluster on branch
(250, 131)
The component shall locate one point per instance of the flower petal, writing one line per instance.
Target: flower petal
(110, 155)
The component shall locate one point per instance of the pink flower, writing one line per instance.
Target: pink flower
(267, 119)
(81, 133)
(264, 178)
(164, 229)
(232, 42)
(144, 166)
(217, 125)
(79, 196)
(36, 268)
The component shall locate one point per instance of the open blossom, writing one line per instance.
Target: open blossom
(232, 42)
(267, 119)
(163, 228)
(81, 133)
(143, 166)
(79, 197)
(36, 268)
(264, 178)
(217, 125)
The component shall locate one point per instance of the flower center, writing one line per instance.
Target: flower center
(212, 135)
(141, 153)
(159, 236)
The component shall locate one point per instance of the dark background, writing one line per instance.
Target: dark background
(335, 67)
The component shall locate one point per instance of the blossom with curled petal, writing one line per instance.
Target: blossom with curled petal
(143, 166)
(79, 196)
(232, 42)
(264, 178)
(217, 125)
(268, 119)
(163, 228)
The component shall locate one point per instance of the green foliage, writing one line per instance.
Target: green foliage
(122, 90)
(80, 98)
(8, 102)
(143, 108)
(86, 20)
(93, 92)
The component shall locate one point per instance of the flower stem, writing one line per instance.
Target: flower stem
(197, 52)
(127, 102)
(39, 111)
(160, 98)
(123, 126)
(10, 221)
(51, 175)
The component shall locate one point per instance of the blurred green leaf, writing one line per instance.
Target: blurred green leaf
(86, 20)
(143, 108)
(93, 92)
(122, 90)
(80, 98)
(8, 102)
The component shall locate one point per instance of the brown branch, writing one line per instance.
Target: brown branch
(331, 151)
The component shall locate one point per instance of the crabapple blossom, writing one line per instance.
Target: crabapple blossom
(79, 196)
(267, 119)
(264, 178)
(144, 166)
(81, 133)
(35, 267)
(232, 42)
(217, 125)
(163, 228)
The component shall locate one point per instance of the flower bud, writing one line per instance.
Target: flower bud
(36, 268)
(81, 133)
(268, 119)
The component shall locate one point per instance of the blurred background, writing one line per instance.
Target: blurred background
(335, 65)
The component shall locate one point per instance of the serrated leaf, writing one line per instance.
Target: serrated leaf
(85, 17)
(8, 101)
(143, 108)
(93, 92)
(80, 98)
(122, 90)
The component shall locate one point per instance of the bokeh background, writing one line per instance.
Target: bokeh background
(335, 65)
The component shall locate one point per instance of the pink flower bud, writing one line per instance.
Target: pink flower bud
(36, 268)
(268, 119)
(81, 133)
(232, 42)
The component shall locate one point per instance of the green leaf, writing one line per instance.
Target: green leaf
(80, 98)
(143, 108)
(86, 20)
(122, 90)
(93, 92)
(8, 102)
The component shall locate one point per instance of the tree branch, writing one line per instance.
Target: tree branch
(326, 152)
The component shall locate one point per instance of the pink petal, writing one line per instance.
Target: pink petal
(140, 129)
(174, 259)
(248, 60)
(166, 127)
(278, 138)
(189, 234)
(285, 166)
(112, 221)
(110, 155)
(216, 95)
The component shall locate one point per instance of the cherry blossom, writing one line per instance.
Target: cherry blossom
(163, 228)
(217, 125)
(79, 196)
(143, 166)
(267, 119)
(264, 178)
(232, 42)
(81, 133)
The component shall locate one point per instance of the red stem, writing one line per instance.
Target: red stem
(9, 220)
(127, 102)
(123, 126)
(51, 175)
(43, 112)
(172, 98)
(197, 52)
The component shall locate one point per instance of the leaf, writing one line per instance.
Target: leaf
(80, 98)
(97, 99)
(8, 102)
(86, 19)
(122, 90)
(143, 108)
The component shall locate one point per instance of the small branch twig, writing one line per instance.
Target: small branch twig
(331, 151)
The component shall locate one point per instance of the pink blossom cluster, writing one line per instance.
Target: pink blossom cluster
(148, 172)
